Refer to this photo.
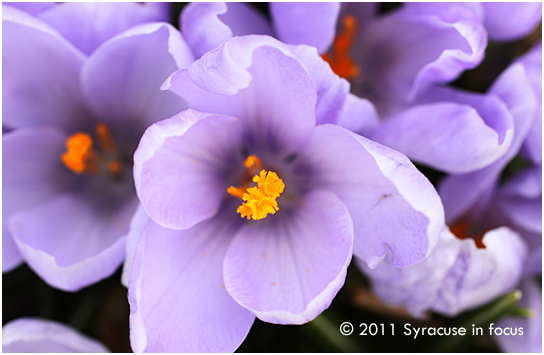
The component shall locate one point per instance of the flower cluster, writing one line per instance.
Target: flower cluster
(237, 165)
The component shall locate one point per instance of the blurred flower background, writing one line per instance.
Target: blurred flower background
(455, 87)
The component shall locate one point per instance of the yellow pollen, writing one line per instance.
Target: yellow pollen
(338, 56)
(269, 183)
(260, 200)
(78, 151)
(257, 205)
(81, 158)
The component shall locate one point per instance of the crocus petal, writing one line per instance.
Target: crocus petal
(32, 174)
(480, 275)
(40, 83)
(507, 21)
(32, 8)
(121, 80)
(201, 26)
(335, 104)
(358, 115)
(533, 265)
(243, 20)
(137, 224)
(468, 41)
(32, 335)
(532, 147)
(405, 53)
(332, 90)
(177, 279)
(416, 286)
(460, 192)
(182, 165)
(89, 24)
(258, 80)
(451, 136)
(531, 340)
(288, 269)
(521, 199)
(305, 23)
(457, 276)
(72, 240)
(206, 26)
(390, 201)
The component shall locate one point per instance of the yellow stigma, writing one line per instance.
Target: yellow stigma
(261, 200)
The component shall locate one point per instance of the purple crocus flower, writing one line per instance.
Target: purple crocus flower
(254, 210)
(459, 275)
(89, 24)
(460, 192)
(391, 59)
(388, 59)
(462, 274)
(470, 123)
(479, 128)
(208, 25)
(423, 44)
(68, 194)
(450, 130)
(32, 335)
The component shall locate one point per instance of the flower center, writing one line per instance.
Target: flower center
(259, 200)
(338, 56)
(462, 230)
(82, 158)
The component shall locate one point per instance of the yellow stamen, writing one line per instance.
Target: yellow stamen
(338, 56)
(78, 153)
(257, 205)
(236, 192)
(270, 184)
(261, 200)
(82, 158)
(251, 161)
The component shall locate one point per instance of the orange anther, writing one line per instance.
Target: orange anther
(261, 200)
(82, 158)
(253, 161)
(78, 151)
(236, 192)
(104, 137)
